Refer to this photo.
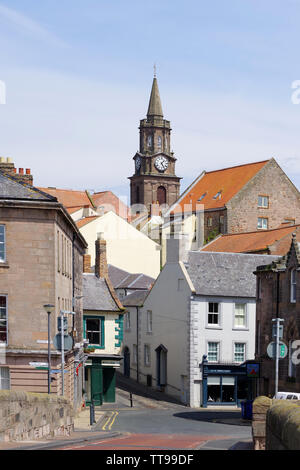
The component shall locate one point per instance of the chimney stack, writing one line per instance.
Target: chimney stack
(101, 268)
(7, 167)
(87, 263)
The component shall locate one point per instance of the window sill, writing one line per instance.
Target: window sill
(4, 264)
(236, 328)
(214, 327)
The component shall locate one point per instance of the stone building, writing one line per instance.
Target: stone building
(278, 295)
(41, 262)
(246, 198)
(154, 180)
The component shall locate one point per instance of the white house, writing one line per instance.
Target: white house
(205, 307)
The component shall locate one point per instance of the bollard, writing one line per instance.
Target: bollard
(92, 413)
(131, 400)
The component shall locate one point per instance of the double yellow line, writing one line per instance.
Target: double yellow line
(110, 421)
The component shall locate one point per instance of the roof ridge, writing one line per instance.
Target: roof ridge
(237, 166)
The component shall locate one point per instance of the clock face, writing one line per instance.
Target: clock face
(138, 163)
(161, 163)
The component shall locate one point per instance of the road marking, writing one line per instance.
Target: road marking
(111, 418)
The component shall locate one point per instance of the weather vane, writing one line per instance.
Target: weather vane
(154, 70)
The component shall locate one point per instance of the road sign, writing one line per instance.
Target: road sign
(68, 342)
(282, 350)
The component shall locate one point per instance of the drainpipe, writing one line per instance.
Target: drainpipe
(137, 344)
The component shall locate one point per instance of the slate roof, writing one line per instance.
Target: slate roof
(96, 294)
(136, 299)
(123, 280)
(225, 274)
(11, 188)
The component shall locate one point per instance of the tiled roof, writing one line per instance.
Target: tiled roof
(248, 242)
(214, 189)
(69, 197)
(225, 274)
(11, 188)
(80, 223)
(107, 198)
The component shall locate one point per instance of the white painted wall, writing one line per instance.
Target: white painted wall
(127, 248)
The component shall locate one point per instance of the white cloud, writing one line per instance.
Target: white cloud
(29, 26)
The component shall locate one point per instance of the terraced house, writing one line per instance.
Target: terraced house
(41, 262)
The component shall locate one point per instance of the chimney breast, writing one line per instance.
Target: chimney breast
(101, 268)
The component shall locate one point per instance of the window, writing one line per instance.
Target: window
(4, 378)
(209, 221)
(213, 352)
(293, 285)
(240, 315)
(3, 319)
(218, 195)
(127, 321)
(262, 223)
(2, 244)
(263, 201)
(202, 197)
(147, 354)
(94, 331)
(239, 352)
(149, 141)
(159, 142)
(149, 321)
(213, 313)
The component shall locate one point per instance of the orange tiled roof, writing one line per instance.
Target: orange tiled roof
(228, 181)
(252, 241)
(69, 197)
(110, 199)
(80, 223)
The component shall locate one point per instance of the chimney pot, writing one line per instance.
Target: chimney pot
(21, 171)
(28, 171)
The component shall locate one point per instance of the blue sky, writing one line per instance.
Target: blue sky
(78, 77)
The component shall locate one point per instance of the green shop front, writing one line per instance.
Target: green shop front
(100, 379)
(228, 384)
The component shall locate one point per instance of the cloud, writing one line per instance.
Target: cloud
(29, 26)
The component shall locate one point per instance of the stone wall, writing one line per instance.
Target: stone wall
(30, 416)
(276, 424)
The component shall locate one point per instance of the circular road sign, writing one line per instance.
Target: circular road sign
(282, 350)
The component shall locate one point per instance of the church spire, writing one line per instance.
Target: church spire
(155, 108)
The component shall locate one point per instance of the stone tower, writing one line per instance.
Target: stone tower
(154, 180)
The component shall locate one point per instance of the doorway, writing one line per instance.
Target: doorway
(161, 365)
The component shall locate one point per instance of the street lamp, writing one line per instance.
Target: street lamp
(49, 309)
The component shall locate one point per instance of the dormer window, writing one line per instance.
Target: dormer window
(293, 285)
(202, 197)
(218, 195)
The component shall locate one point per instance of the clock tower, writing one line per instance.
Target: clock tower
(154, 180)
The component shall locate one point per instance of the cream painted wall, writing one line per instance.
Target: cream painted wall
(127, 248)
(109, 331)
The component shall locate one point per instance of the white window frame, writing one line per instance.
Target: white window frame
(213, 325)
(262, 227)
(293, 286)
(218, 351)
(149, 322)
(262, 199)
(4, 244)
(4, 381)
(235, 353)
(6, 319)
(240, 327)
(147, 355)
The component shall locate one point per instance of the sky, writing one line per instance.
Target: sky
(78, 76)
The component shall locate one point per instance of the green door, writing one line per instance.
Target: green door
(109, 385)
(97, 382)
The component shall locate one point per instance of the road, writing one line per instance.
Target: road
(177, 428)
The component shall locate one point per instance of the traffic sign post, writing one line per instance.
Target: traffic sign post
(277, 350)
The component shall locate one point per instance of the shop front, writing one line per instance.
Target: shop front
(226, 384)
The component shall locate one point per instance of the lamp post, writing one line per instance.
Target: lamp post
(49, 309)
